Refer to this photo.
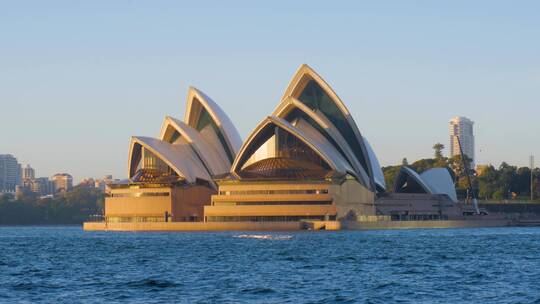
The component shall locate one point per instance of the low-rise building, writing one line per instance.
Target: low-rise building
(62, 182)
(104, 183)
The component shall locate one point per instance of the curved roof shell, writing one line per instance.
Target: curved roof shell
(314, 140)
(440, 181)
(378, 174)
(308, 87)
(202, 111)
(179, 157)
(406, 177)
(432, 181)
(291, 109)
(214, 161)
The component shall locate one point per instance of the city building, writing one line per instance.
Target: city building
(62, 182)
(89, 183)
(462, 127)
(28, 173)
(10, 173)
(101, 184)
(104, 183)
(41, 186)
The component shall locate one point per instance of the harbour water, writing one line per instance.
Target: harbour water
(67, 265)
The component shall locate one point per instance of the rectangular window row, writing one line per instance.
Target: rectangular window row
(269, 192)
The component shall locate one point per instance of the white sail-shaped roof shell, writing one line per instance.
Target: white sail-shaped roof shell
(378, 174)
(197, 100)
(440, 181)
(433, 181)
(311, 134)
(289, 104)
(410, 173)
(180, 157)
(314, 140)
(303, 76)
(214, 161)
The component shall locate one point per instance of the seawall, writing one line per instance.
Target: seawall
(292, 226)
(193, 226)
(380, 225)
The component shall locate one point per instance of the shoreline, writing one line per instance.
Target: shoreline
(307, 225)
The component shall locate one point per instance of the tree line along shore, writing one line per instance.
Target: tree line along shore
(72, 208)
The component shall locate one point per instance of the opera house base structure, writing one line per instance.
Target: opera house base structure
(305, 166)
(158, 203)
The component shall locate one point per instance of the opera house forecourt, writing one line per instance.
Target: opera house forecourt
(305, 166)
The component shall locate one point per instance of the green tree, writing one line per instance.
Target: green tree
(424, 164)
(438, 147)
(506, 177)
(488, 183)
(521, 183)
(73, 208)
(390, 173)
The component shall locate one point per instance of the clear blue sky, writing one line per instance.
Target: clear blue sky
(77, 79)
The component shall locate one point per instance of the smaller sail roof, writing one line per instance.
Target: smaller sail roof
(440, 181)
(408, 180)
(432, 181)
(180, 157)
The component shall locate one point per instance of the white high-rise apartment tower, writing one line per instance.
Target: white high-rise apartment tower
(462, 127)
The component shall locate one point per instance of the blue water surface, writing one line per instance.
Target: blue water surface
(68, 265)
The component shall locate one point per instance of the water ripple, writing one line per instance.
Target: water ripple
(67, 265)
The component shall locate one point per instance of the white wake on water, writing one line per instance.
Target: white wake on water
(264, 236)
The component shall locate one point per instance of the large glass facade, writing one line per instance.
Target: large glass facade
(174, 137)
(288, 157)
(296, 114)
(206, 120)
(316, 98)
(153, 162)
(272, 192)
(148, 167)
(154, 176)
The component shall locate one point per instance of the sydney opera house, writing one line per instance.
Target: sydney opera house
(306, 161)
